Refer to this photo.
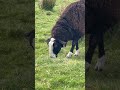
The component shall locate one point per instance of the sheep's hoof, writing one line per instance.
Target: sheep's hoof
(52, 56)
(77, 53)
(100, 64)
(69, 55)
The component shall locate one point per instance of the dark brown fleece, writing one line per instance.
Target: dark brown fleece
(71, 24)
(101, 14)
(90, 15)
(109, 7)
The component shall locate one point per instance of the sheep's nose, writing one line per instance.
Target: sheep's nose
(53, 56)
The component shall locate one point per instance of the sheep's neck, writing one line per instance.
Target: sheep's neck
(62, 34)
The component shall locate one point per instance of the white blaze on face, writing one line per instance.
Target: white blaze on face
(51, 54)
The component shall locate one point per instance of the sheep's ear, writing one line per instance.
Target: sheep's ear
(63, 43)
(48, 40)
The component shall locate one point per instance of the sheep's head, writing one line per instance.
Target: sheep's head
(55, 46)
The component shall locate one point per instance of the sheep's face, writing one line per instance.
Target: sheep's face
(57, 47)
(54, 47)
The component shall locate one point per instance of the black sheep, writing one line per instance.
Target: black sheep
(70, 26)
(92, 17)
(100, 15)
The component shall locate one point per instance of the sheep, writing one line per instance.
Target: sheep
(70, 26)
(93, 17)
(100, 16)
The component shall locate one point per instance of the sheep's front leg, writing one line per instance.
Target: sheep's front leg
(71, 50)
(77, 53)
(91, 47)
(101, 61)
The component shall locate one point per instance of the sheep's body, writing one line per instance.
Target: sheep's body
(103, 13)
(110, 8)
(71, 24)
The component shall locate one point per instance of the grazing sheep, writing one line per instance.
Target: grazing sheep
(94, 16)
(100, 16)
(70, 26)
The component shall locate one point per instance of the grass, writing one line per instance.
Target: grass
(16, 57)
(60, 73)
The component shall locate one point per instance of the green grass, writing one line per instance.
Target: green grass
(60, 73)
(16, 57)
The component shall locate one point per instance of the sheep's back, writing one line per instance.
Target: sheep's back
(75, 15)
(111, 7)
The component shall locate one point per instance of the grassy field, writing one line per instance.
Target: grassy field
(60, 73)
(16, 57)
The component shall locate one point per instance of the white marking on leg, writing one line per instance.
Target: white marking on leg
(87, 65)
(77, 53)
(100, 63)
(51, 54)
(69, 55)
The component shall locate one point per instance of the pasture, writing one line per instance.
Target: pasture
(16, 57)
(60, 73)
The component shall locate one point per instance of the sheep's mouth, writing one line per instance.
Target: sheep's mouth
(53, 56)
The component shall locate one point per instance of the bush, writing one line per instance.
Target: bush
(47, 4)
